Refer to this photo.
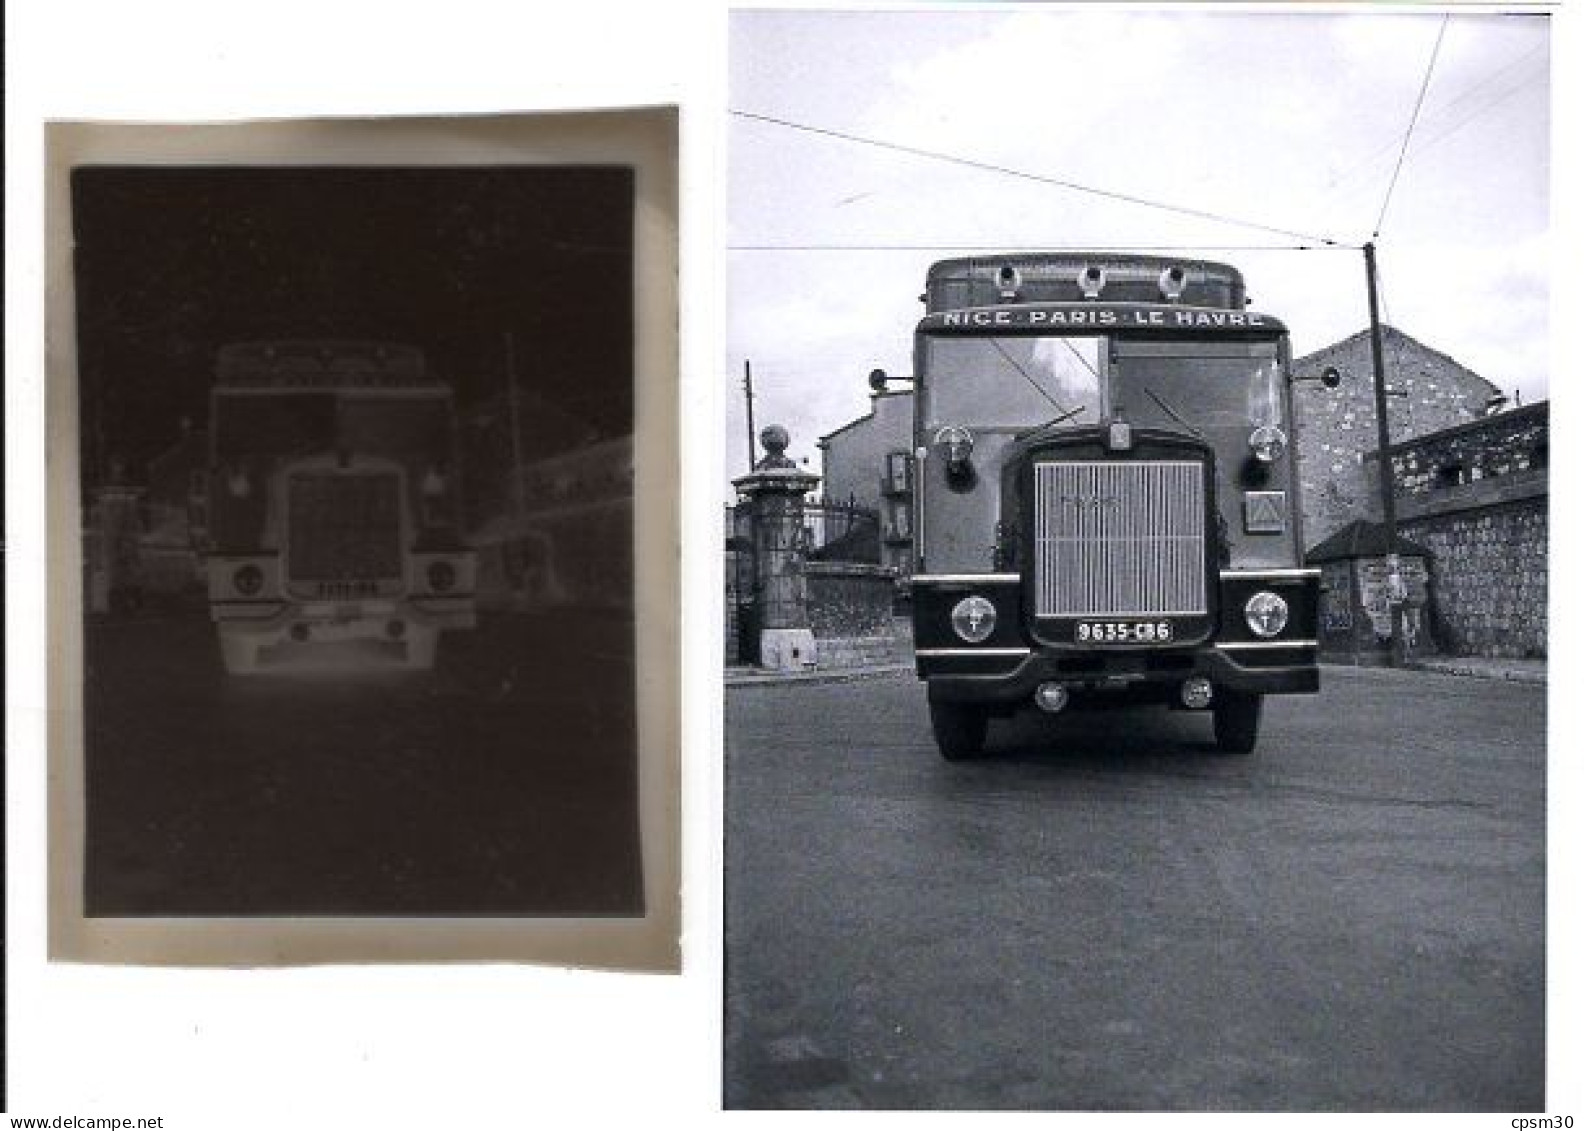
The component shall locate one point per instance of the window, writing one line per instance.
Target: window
(898, 520)
(899, 472)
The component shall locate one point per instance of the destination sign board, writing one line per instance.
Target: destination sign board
(1099, 316)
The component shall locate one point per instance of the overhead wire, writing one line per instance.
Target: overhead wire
(1424, 86)
(1441, 112)
(1001, 247)
(1436, 138)
(1004, 170)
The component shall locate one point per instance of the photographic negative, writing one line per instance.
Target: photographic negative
(361, 418)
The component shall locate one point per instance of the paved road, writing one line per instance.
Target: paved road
(1107, 914)
(501, 783)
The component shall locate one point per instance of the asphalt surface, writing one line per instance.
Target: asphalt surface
(1106, 914)
(501, 783)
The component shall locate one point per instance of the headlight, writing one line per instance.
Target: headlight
(1266, 614)
(248, 580)
(1268, 442)
(974, 619)
(959, 445)
(442, 576)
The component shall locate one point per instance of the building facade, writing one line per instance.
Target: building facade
(868, 463)
(1427, 391)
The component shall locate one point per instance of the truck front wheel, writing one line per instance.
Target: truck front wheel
(1237, 721)
(959, 730)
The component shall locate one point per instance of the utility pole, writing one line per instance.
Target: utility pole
(1388, 479)
(748, 396)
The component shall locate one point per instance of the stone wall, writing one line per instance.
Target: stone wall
(1507, 444)
(1488, 579)
(1336, 427)
(847, 599)
(1476, 496)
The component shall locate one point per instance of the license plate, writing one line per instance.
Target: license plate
(1123, 632)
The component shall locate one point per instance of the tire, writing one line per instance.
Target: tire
(1237, 721)
(959, 730)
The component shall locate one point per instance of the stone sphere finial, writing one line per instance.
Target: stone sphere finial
(775, 440)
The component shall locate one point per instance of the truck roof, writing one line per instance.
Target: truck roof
(1081, 276)
(320, 363)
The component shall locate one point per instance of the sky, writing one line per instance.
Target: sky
(1292, 123)
(173, 262)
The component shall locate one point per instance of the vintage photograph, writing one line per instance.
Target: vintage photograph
(1135, 560)
(355, 455)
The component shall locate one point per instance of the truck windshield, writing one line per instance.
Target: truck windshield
(1013, 382)
(286, 425)
(1212, 396)
(398, 427)
(251, 426)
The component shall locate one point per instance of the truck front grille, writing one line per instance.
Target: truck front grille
(1116, 538)
(343, 528)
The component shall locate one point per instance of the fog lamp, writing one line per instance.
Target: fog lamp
(1268, 442)
(1266, 614)
(973, 619)
(248, 580)
(395, 629)
(300, 632)
(1050, 697)
(1196, 693)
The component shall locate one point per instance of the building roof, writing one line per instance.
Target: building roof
(865, 418)
(1390, 336)
(1361, 539)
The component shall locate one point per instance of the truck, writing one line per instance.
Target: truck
(334, 510)
(1106, 507)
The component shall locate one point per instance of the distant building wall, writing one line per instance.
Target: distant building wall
(869, 462)
(1477, 497)
(1336, 427)
(571, 542)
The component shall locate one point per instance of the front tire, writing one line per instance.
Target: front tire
(959, 730)
(1237, 721)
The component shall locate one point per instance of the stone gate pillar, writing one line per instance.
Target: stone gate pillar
(772, 494)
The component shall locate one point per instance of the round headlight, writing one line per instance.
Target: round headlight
(958, 443)
(248, 580)
(1268, 442)
(974, 619)
(1266, 614)
(442, 576)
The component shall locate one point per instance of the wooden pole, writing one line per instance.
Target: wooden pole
(748, 396)
(1388, 479)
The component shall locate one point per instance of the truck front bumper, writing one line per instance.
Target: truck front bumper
(967, 676)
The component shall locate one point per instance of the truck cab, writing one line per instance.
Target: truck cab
(1106, 495)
